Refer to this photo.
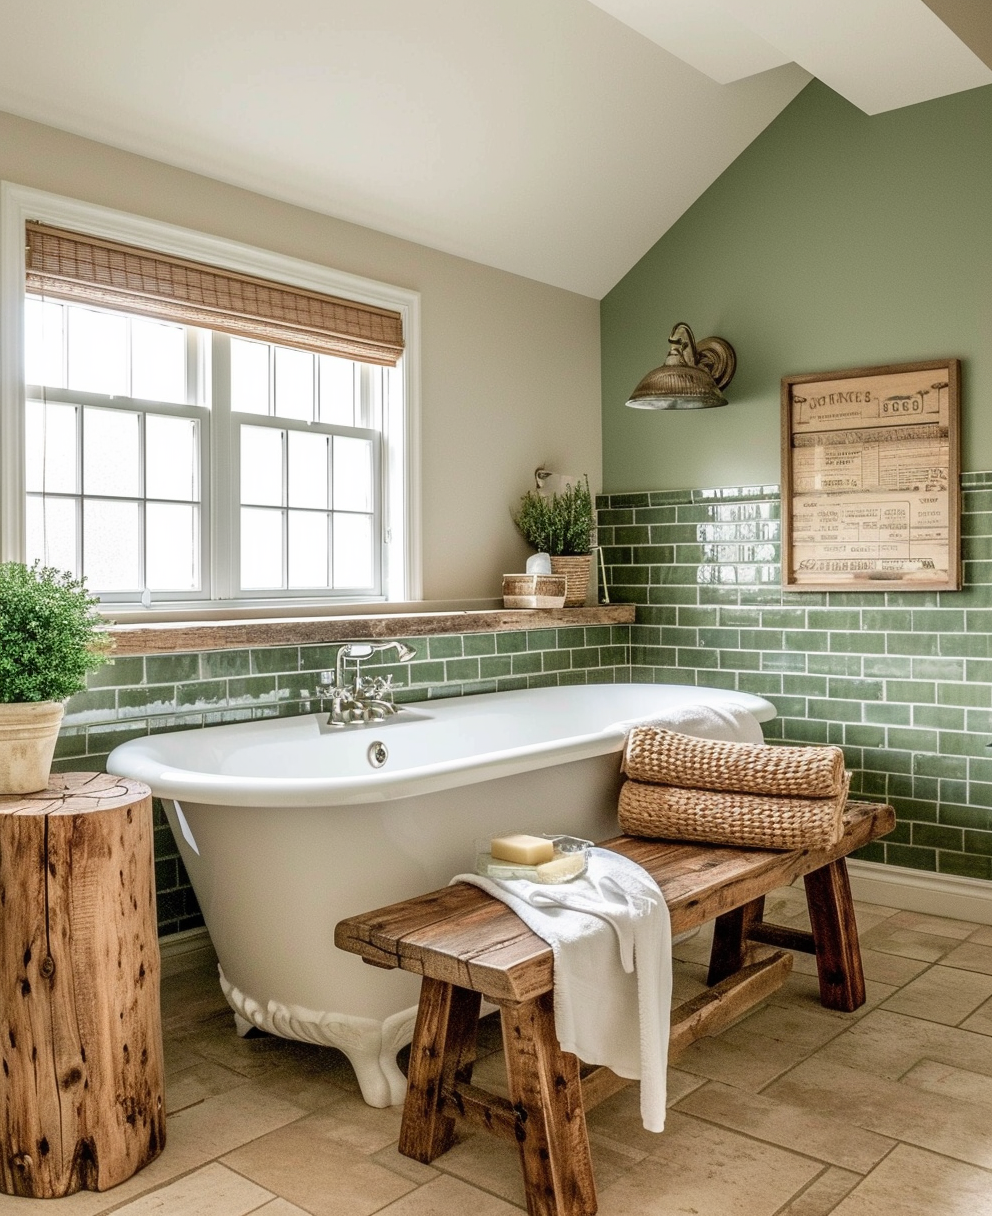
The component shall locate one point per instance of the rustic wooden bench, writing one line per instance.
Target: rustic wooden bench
(468, 945)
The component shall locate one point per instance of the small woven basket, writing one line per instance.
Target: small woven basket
(668, 758)
(577, 569)
(723, 817)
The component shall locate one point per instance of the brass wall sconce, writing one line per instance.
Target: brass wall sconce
(691, 377)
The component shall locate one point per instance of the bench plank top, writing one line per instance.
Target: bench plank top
(461, 935)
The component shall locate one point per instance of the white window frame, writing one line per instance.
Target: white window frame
(400, 538)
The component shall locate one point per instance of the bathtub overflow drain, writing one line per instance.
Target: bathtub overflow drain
(377, 754)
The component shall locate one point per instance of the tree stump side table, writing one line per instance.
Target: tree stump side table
(81, 1089)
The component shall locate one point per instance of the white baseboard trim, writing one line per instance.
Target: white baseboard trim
(185, 951)
(922, 891)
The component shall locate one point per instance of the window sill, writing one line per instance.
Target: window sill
(174, 637)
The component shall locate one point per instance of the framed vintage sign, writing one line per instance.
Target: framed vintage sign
(871, 497)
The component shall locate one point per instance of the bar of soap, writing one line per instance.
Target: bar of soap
(562, 868)
(523, 850)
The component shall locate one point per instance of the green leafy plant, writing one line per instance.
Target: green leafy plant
(49, 636)
(559, 524)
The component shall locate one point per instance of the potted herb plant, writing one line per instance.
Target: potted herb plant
(49, 640)
(562, 526)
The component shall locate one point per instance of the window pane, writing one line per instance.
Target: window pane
(294, 384)
(261, 465)
(172, 547)
(308, 468)
(307, 549)
(111, 452)
(51, 532)
(43, 343)
(51, 448)
(338, 381)
(171, 457)
(158, 361)
(261, 549)
(352, 474)
(97, 351)
(353, 568)
(249, 376)
(112, 545)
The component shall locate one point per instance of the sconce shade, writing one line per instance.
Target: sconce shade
(690, 378)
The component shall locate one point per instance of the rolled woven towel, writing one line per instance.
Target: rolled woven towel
(668, 758)
(715, 817)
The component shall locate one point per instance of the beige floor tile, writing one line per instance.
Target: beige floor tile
(218, 1041)
(942, 994)
(321, 1175)
(801, 991)
(696, 949)
(960, 1129)
(982, 936)
(688, 980)
(312, 1088)
(681, 1083)
(194, 1136)
(911, 1182)
(895, 969)
(617, 1121)
(980, 1021)
(448, 1196)
(950, 1081)
(823, 1194)
(281, 1207)
(888, 1044)
(707, 1171)
(943, 926)
(494, 1165)
(490, 1073)
(391, 1158)
(203, 1080)
(971, 956)
(748, 1060)
(804, 1024)
(178, 1056)
(210, 1191)
(834, 1141)
(910, 943)
(356, 1125)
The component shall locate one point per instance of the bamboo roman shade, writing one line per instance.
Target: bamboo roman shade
(72, 266)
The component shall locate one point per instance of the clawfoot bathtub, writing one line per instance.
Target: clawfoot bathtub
(286, 827)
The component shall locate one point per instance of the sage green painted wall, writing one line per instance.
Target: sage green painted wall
(835, 240)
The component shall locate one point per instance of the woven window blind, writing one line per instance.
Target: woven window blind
(85, 269)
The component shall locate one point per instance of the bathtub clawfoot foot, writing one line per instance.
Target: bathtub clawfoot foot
(243, 1026)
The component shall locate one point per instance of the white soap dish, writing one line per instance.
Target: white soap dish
(570, 861)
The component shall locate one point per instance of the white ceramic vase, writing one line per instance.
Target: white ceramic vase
(28, 731)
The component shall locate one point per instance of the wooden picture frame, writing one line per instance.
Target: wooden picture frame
(871, 478)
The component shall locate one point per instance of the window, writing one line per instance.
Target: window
(176, 462)
(120, 412)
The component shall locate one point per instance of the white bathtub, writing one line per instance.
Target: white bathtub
(285, 828)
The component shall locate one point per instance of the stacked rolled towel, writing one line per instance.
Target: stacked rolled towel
(682, 788)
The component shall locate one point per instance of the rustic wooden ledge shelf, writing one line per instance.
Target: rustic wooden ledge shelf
(175, 637)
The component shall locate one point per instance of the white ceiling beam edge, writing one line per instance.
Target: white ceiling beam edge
(710, 40)
(879, 54)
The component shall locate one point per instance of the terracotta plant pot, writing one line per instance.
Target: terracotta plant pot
(576, 569)
(28, 731)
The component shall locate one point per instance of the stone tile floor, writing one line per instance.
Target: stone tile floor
(794, 1110)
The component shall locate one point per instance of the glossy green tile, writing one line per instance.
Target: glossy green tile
(479, 643)
(171, 668)
(245, 690)
(542, 639)
(911, 857)
(118, 673)
(450, 647)
(270, 660)
(219, 664)
(965, 865)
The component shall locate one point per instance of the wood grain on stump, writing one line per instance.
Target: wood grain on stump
(81, 1087)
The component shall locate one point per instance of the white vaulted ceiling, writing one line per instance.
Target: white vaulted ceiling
(544, 137)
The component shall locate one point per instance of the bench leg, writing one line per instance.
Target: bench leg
(835, 933)
(546, 1094)
(442, 1052)
(730, 939)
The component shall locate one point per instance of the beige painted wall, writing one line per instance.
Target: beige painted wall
(510, 366)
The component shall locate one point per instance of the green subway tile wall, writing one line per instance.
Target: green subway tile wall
(901, 680)
(140, 696)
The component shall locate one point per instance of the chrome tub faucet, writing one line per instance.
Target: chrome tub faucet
(362, 700)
